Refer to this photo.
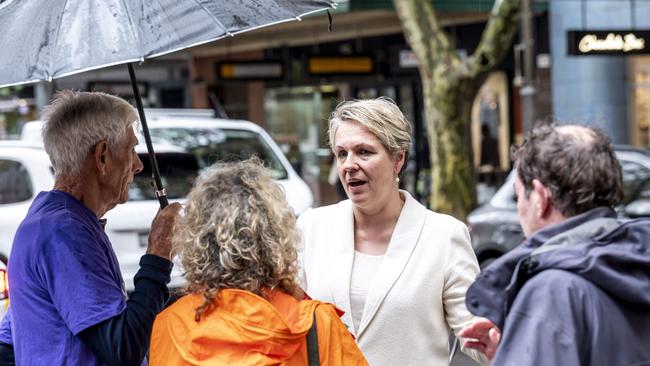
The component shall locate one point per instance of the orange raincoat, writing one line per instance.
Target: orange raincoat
(242, 328)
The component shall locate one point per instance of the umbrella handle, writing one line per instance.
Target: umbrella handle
(160, 190)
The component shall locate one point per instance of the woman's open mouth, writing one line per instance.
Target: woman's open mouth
(356, 185)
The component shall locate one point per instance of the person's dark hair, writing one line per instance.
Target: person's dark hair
(576, 163)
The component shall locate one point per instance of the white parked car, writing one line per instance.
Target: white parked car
(184, 145)
(213, 139)
(25, 170)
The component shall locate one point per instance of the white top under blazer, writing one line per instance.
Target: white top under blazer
(417, 294)
(364, 270)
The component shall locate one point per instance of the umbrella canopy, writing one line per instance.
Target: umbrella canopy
(47, 39)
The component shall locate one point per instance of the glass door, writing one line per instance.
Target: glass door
(297, 119)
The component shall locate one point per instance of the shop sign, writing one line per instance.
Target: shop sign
(319, 65)
(608, 42)
(250, 70)
(408, 59)
(9, 105)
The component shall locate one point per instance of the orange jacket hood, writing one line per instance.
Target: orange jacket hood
(241, 328)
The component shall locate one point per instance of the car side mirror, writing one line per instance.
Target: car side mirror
(638, 208)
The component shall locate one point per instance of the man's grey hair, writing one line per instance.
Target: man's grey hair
(77, 121)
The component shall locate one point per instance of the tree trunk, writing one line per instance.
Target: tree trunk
(450, 86)
(448, 101)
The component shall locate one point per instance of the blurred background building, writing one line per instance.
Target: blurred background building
(289, 77)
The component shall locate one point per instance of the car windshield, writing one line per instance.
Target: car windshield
(211, 145)
(177, 170)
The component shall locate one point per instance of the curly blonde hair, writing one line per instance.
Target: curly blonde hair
(237, 232)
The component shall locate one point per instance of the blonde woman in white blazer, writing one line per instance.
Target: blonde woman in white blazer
(397, 270)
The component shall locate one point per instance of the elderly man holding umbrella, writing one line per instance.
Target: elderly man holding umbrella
(73, 309)
(68, 304)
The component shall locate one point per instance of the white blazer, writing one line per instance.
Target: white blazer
(418, 293)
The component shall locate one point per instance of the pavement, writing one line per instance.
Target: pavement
(461, 359)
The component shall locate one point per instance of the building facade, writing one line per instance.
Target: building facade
(289, 79)
(607, 84)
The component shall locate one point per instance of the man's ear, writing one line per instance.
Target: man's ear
(100, 156)
(543, 203)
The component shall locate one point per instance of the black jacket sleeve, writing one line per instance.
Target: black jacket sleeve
(7, 355)
(124, 339)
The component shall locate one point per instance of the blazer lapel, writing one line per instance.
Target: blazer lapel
(341, 259)
(402, 243)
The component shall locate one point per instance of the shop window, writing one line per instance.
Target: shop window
(297, 119)
(639, 100)
(172, 97)
(491, 134)
(490, 127)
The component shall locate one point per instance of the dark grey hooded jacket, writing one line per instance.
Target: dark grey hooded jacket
(575, 293)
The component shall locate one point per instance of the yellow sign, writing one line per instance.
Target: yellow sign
(340, 65)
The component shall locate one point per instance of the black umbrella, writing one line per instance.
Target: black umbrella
(48, 39)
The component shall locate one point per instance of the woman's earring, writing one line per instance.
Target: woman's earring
(397, 180)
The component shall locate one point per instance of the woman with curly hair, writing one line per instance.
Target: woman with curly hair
(243, 306)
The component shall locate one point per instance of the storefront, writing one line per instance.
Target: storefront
(297, 109)
(293, 87)
(600, 57)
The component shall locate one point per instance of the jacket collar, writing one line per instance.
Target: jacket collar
(342, 257)
(542, 236)
(496, 286)
(400, 247)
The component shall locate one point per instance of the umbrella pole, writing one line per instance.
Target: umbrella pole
(160, 191)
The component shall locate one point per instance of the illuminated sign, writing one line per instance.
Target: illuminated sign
(609, 42)
(250, 70)
(319, 65)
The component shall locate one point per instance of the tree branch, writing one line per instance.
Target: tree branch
(496, 38)
(423, 33)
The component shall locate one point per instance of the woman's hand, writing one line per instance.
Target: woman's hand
(483, 336)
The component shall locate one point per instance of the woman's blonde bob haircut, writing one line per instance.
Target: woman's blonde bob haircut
(237, 232)
(381, 116)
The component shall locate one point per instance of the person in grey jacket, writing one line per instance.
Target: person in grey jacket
(577, 290)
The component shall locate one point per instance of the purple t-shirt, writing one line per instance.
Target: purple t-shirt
(63, 278)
